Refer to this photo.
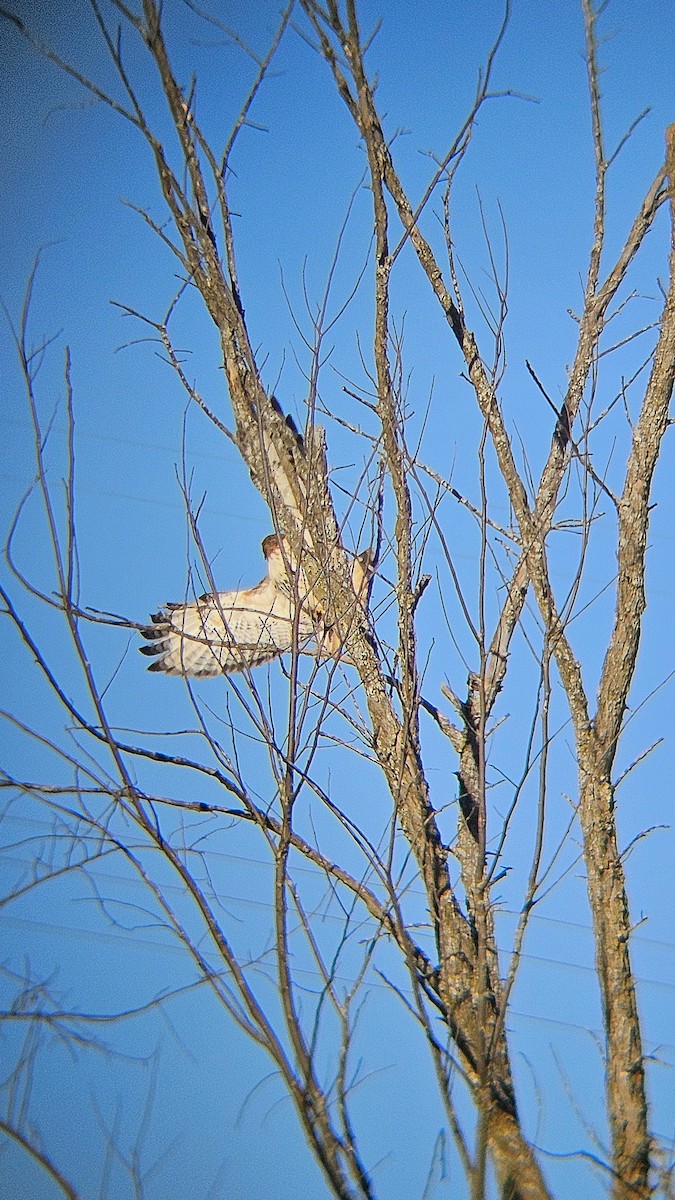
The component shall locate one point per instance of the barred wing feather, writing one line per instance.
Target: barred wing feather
(225, 632)
(232, 631)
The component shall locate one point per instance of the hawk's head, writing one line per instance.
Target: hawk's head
(277, 554)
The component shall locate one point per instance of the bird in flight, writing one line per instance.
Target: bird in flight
(223, 632)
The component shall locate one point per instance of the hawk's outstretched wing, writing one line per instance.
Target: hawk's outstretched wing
(230, 631)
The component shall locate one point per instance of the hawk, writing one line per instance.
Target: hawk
(225, 632)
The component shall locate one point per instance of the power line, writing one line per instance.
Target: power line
(252, 861)
(117, 935)
(92, 435)
(267, 905)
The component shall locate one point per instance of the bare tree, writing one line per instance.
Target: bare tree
(363, 691)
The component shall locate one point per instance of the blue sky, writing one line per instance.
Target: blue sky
(69, 167)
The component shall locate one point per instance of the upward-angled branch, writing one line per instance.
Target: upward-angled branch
(634, 509)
